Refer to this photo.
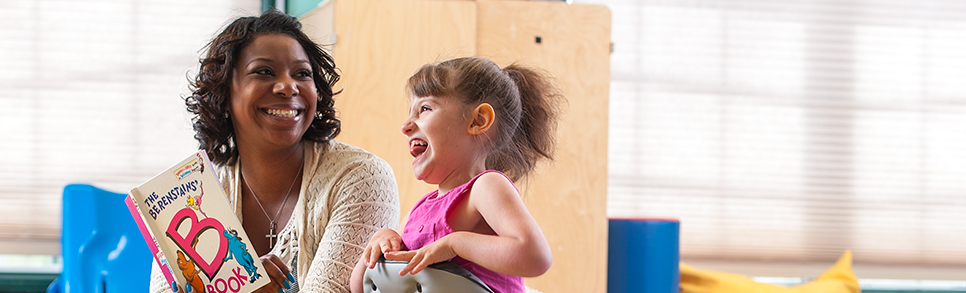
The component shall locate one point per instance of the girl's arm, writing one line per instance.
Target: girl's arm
(385, 240)
(520, 249)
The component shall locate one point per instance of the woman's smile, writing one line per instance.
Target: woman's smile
(282, 113)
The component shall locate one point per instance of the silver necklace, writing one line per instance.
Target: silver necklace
(271, 232)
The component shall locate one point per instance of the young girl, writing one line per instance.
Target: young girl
(473, 130)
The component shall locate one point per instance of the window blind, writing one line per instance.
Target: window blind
(93, 93)
(790, 131)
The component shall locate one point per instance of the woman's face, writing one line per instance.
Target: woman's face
(273, 96)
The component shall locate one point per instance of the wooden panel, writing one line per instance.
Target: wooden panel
(379, 44)
(567, 196)
(317, 24)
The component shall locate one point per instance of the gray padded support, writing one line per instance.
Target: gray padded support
(437, 278)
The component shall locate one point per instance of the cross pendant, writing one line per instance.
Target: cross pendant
(271, 237)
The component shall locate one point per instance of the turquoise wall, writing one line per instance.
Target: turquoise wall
(293, 7)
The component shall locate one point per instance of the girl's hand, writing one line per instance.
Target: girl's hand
(383, 242)
(419, 259)
(279, 273)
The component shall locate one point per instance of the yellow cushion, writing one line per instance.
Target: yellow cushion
(838, 278)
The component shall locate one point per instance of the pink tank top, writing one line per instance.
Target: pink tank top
(427, 223)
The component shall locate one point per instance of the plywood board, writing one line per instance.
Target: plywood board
(379, 45)
(317, 24)
(567, 196)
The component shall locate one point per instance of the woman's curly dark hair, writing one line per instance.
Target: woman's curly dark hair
(209, 100)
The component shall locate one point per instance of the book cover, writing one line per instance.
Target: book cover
(192, 229)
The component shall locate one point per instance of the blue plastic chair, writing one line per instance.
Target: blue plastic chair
(103, 248)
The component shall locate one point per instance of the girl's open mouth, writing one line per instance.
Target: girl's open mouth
(417, 147)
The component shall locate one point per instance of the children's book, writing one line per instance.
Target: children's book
(192, 229)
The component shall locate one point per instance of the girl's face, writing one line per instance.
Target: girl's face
(273, 96)
(442, 148)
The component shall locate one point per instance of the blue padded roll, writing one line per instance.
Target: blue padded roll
(643, 256)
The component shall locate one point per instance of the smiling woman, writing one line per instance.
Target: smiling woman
(272, 87)
(264, 112)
